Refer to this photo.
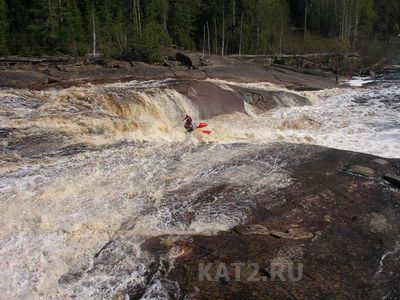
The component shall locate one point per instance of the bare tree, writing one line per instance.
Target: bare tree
(356, 25)
(241, 35)
(281, 38)
(334, 23)
(94, 32)
(139, 20)
(60, 8)
(209, 41)
(223, 28)
(226, 44)
(135, 16)
(305, 23)
(258, 26)
(344, 19)
(216, 34)
(204, 39)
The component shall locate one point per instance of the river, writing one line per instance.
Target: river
(85, 166)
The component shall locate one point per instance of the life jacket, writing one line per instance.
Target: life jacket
(189, 123)
(188, 120)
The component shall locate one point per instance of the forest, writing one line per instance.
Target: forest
(142, 29)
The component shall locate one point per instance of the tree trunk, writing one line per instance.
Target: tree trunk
(216, 34)
(241, 35)
(135, 16)
(60, 7)
(349, 20)
(223, 28)
(280, 39)
(334, 23)
(209, 40)
(226, 44)
(258, 26)
(140, 21)
(305, 24)
(165, 24)
(204, 39)
(51, 16)
(344, 16)
(94, 33)
(356, 25)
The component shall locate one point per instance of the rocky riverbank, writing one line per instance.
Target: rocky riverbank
(50, 73)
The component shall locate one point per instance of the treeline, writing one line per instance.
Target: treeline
(141, 29)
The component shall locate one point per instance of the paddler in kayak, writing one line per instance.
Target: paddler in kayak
(189, 126)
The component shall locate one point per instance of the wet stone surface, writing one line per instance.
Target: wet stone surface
(342, 228)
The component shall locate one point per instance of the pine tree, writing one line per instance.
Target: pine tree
(181, 22)
(153, 34)
(141, 29)
(71, 37)
(43, 28)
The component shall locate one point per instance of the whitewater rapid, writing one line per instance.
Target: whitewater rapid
(363, 118)
(87, 167)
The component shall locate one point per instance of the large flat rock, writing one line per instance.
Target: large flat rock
(341, 229)
(210, 99)
(42, 76)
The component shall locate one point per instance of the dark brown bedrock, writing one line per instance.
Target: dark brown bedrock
(342, 227)
(212, 100)
(50, 74)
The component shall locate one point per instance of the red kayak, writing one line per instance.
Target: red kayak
(202, 125)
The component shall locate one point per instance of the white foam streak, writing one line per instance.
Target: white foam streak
(359, 81)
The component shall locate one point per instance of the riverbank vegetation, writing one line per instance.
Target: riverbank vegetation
(141, 30)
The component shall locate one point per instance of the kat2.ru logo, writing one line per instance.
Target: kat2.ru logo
(252, 272)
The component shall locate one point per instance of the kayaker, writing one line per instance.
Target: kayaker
(189, 123)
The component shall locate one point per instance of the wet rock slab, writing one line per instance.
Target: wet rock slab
(335, 233)
(65, 74)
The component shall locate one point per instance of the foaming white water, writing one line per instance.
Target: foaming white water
(359, 120)
(359, 81)
(362, 120)
(99, 114)
(55, 217)
(72, 225)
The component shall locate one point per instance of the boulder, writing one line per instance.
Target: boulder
(68, 68)
(118, 64)
(380, 161)
(169, 63)
(360, 170)
(185, 60)
(266, 100)
(292, 234)
(252, 229)
(392, 178)
(24, 79)
(204, 96)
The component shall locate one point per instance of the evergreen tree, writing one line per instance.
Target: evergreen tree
(72, 33)
(155, 37)
(141, 29)
(43, 28)
(181, 22)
